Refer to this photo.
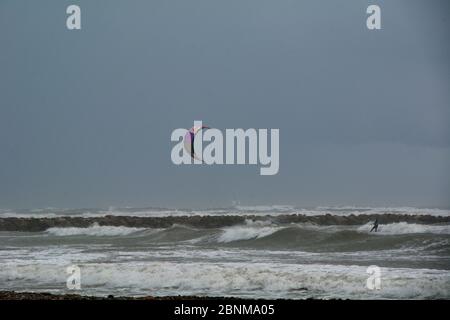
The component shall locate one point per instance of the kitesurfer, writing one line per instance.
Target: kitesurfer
(375, 226)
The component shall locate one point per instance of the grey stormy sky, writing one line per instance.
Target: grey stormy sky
(86, 116)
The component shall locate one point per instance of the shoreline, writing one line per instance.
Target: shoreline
(28, 295)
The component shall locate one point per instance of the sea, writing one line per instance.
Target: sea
(240, 251)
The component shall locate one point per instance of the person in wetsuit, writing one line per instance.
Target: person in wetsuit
(375, 226)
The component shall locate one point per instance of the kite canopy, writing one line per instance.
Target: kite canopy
(189, 140)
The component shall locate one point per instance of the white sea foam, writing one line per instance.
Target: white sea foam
(406, 228)
(251, 230)
(93, 230)
(236, 279)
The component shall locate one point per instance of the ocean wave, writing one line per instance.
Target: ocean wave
(258, 280)
(251, 230)
(93, 230)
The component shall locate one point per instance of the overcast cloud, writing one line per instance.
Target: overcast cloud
(86, 116)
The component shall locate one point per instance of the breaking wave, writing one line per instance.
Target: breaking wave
(264, 280)
(93, 230)
(251, 230)
(406, 228)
